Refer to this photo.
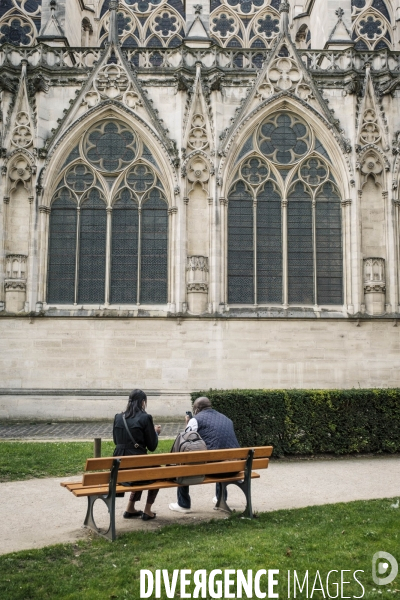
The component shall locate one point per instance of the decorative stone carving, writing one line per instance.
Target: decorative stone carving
(198, 172)
(284, 75)
(370, 132)
(20, 172)
(198, 139)
(112, 83)
(16, 266)
(197, 283)
(374, 285)
(22, 134)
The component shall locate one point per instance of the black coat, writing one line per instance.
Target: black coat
(142, 429)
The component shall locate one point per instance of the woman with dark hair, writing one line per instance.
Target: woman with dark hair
(134, 433)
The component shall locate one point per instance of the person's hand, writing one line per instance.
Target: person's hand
(187, 419)
(157, 429)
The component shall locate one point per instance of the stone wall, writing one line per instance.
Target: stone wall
(169, 358)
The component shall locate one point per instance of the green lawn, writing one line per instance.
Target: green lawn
(341, 537)
(27, 460)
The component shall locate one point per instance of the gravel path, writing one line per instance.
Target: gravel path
(39, 512)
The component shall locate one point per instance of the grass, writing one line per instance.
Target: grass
(341, 537)
(28, 460)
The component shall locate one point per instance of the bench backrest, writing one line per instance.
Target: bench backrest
(156, 467)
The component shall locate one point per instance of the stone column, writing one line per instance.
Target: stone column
(374, 286)
(172, 258)
(346, 236)
(224, 252)
(285, 254)
(108, 256)
(197, 284)
(44, 215)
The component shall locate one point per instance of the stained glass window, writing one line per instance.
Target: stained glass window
(62, 249)
(110, 146)
(124, 249)
(154, 256)
(269, 245)
(329, 246)
(284, 138)
(92, 249)
(300, 246)
(240, 246)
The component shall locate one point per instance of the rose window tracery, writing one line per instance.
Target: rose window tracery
(247, 24)
(155, 23)
(79, 178)
(22, 134)
(371, 25)
(110, 146)
(254, 171)
(17, 31)
(284, 138)
(140, 178)
(314, 172)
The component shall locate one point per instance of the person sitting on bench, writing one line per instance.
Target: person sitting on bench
(134, 433)
(218, 433)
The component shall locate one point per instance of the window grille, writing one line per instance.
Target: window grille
(329, 246)
(62, 249)
(269, 245)
(240, 246)
(124, 249)
(300, 246)
(92, 249)
(154, 250)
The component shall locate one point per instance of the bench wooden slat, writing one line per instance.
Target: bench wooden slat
(176, 458)
(170, 472)
(81, 492)
(165, 472)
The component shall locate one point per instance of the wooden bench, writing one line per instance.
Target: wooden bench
(103, 477)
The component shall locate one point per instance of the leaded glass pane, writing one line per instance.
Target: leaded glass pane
(92, 250)
(329, 246)
(240, 246)
(154, 255)
(300, 246)
(124, 249)
(62, 249)
(269, 245)
(110, 146)
(140, 178)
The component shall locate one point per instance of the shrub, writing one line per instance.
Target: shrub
(313, 421)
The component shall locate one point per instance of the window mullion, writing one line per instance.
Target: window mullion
(139, 254)
(108, 255)
(78, 239)
(255, 247)
(314, 234)
(285, 253)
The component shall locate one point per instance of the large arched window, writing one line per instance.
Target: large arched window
(371, 25)
(108, 240)
(284, 219)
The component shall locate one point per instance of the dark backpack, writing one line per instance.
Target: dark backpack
(189, 441)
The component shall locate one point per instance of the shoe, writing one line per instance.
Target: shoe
(175, 506)
(215, 499)
(135, 515)
(146, 517)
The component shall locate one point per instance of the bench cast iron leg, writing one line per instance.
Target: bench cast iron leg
(245, 486)
(221, 502)
(109, 500)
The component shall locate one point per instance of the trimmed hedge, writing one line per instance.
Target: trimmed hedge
(313, 421)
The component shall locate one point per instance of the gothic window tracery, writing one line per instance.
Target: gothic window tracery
(155, 23)
(19, 21)
(371, 25)
(110, 171)
(284, 207)
(244, 23)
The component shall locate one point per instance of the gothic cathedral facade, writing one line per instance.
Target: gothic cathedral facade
(196, 194)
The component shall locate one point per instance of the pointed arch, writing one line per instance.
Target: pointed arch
(284, 200)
